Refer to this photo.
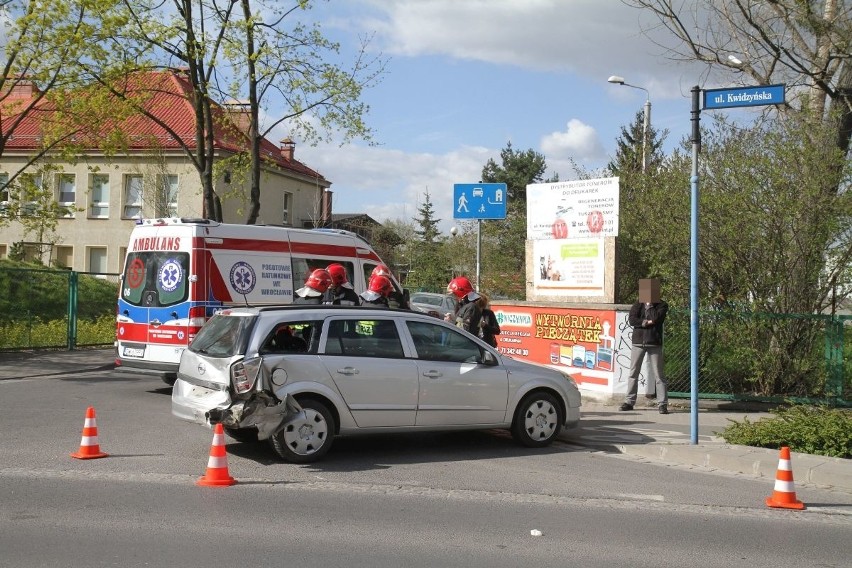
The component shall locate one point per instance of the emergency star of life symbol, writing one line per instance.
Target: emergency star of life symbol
(242, 277)
(135, 273)
(171, 275)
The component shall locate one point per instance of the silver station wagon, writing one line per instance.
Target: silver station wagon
(301, 375)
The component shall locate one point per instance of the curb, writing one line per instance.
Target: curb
(762, 463)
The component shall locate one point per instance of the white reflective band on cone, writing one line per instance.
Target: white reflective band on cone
(784, 486)
(217, 463)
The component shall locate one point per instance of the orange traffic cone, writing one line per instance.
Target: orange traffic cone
(784, 496)
(89, 447)
(217, 466)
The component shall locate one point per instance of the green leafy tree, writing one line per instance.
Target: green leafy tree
(47, 45)
(503, 256)
(272, 53)
(804, 44)
(430, 267)
(631, 264)
(765, 216)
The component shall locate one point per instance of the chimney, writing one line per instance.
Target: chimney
(239, 113)
(288, 148)
(325, 220)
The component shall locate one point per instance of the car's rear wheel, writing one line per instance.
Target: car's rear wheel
(308, 436)
(538, 420)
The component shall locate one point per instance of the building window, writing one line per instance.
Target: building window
(167, 206)
(288, 204)
(99, 204)
(97, 260)
(122, 255)
(31, 185)
(4, 194)
(63, 256)
(67, 194)
(133, 196)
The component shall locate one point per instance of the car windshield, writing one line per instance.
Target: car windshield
(424, 299)
(223, 335)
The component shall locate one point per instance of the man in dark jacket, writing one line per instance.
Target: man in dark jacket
(647, 317)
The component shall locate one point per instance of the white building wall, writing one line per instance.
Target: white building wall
(83, 231)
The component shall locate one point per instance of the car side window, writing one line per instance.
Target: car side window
(440, 343)
(363, 338)
(289, 337)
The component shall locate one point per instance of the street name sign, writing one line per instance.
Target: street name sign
(743, 96)
(479, 201)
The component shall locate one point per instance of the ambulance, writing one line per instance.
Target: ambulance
(179, 272)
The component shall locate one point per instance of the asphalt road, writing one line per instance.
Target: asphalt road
(423, 500)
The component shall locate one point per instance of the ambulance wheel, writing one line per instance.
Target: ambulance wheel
(308, 436)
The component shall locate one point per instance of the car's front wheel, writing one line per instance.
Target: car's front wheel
(308, 436)
(538, 419)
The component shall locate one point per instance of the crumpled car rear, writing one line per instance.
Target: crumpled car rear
(203, 394)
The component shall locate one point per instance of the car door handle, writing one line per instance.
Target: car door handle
(433, 374)
(348, 371)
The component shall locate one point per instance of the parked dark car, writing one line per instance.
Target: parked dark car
(437, 305)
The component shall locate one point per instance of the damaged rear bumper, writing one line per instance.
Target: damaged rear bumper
(266, 413)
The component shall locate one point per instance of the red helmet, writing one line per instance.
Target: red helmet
(459, 286)
(338, 274)
(319, 280)
(381, 285)
(381, 270)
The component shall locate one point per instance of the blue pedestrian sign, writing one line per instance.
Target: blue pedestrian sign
(479, 201)
(744, 96)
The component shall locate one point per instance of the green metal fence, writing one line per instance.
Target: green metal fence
(761, 356)
(62, 309)
(743, 355)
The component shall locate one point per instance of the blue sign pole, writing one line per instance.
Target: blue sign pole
(693, 270)
(713, 99)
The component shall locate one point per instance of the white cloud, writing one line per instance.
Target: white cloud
(391, 184)
(591, 38)
(579, 141)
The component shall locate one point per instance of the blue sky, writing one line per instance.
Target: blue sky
(465, 77)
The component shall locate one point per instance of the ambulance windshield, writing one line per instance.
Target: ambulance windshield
(155, 278)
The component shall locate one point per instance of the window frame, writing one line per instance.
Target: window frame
(69, 206)
(93, 203)
(139, 202)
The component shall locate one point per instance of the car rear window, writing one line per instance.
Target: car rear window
(224, 335)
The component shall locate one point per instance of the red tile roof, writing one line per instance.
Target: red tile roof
(166, 95)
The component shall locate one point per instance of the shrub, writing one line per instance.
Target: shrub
(808, 429)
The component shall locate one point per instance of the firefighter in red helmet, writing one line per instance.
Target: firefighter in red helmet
(396, 299)
(340, 293)
(468, 313)
(315, 286)
(377, 292)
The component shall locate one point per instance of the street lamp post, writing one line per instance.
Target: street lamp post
(646, 122)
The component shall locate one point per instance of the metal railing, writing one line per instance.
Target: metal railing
(59, 309)
(762, 356)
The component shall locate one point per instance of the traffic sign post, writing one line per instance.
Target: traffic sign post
(479, 201)
(713, 99)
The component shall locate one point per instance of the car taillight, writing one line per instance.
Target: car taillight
(244, 374)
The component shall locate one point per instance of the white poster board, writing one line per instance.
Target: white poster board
(580, 209)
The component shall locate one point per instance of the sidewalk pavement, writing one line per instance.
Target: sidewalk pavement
(642, 432)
